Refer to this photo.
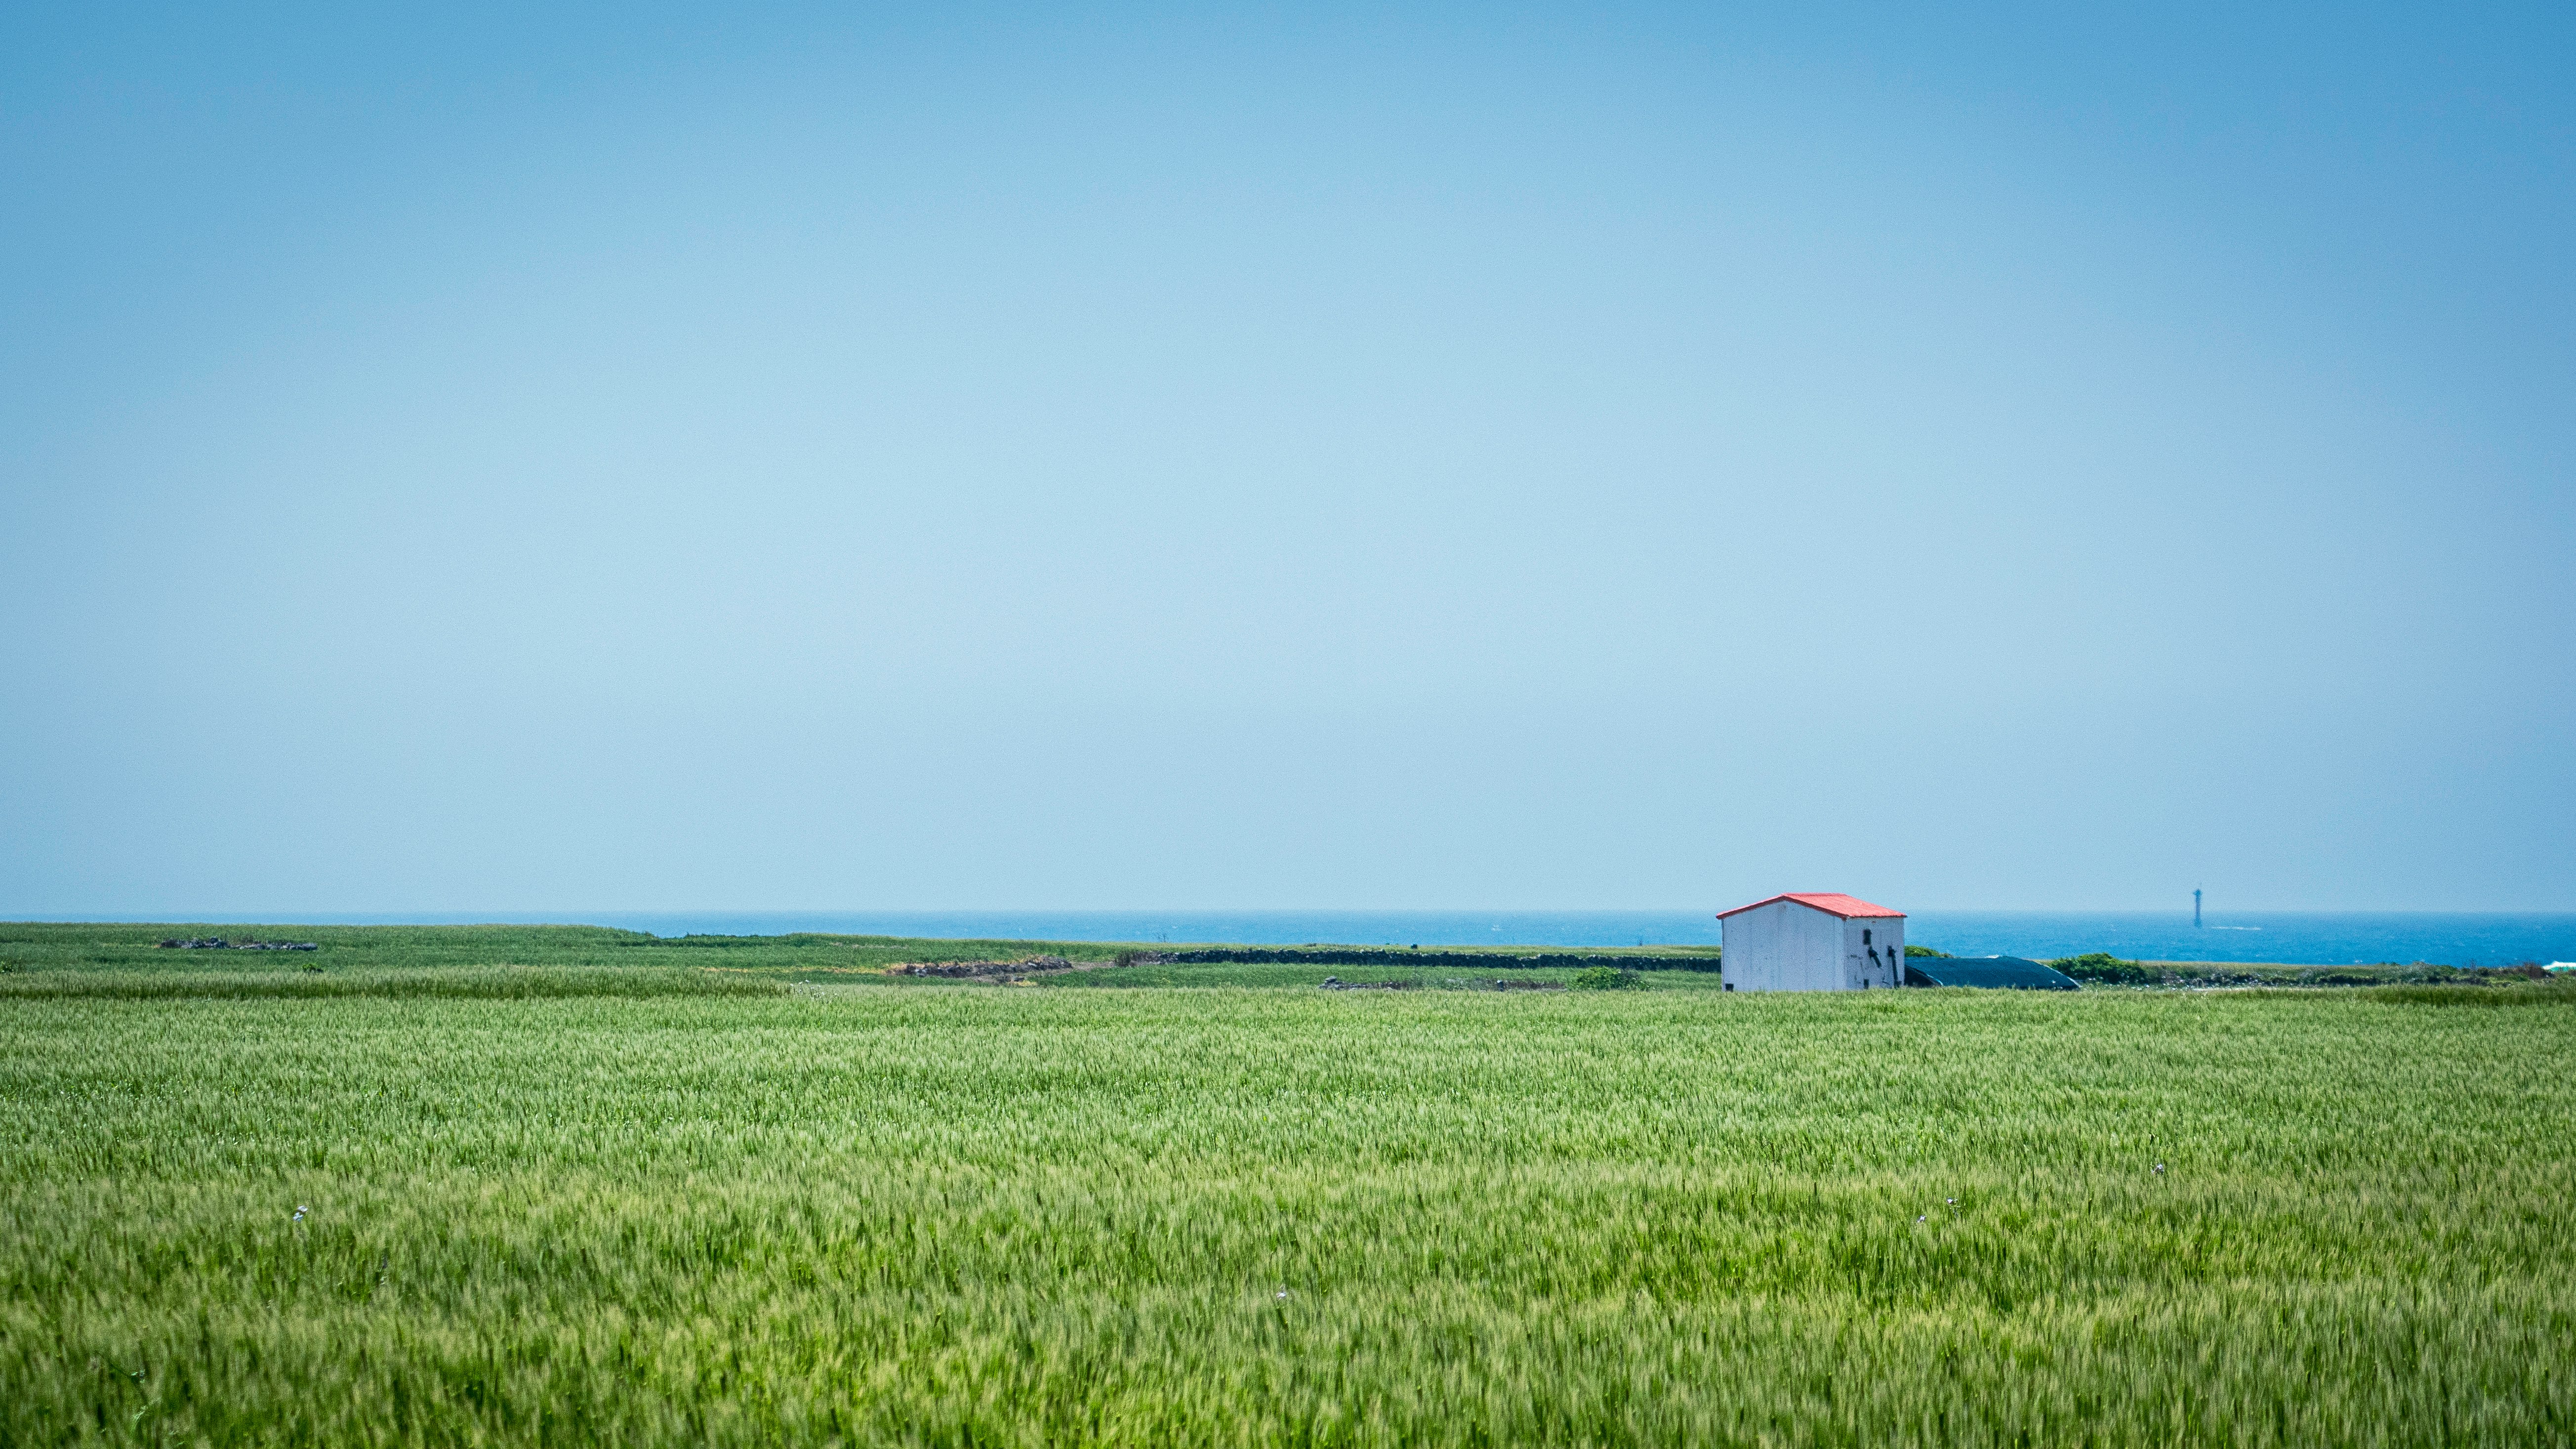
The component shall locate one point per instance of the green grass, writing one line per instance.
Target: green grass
(1428, 978)
(2100, 968)
(2560, 992)
(938, 1213)
(490, 982)
(125, 960)
(38, 949)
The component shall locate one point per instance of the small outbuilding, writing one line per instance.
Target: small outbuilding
(2009, 972)
(1811, 941)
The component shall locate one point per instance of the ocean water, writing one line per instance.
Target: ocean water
(2301, 938)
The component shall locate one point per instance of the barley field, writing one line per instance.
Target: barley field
(520, 1188)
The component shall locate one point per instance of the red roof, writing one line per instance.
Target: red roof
(1832, 903)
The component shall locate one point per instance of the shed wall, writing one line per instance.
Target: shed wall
(1873, 952)
(1783, 946)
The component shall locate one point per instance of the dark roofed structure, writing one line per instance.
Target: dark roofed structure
(2009, 972)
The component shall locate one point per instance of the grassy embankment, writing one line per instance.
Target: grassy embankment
(510, 961)
(929, 1213)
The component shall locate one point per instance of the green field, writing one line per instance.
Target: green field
(451, 1186)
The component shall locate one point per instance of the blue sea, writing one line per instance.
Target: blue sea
(2301, 938)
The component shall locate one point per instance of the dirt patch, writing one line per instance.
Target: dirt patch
(983, 970)
(1499, 983)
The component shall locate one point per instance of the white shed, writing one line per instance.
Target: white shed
(1811, 941)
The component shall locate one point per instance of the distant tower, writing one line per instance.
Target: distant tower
(2195, 907)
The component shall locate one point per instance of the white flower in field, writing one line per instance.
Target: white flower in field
(1283, 1292)
(2160, 1167)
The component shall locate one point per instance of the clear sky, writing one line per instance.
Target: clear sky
(534, 457)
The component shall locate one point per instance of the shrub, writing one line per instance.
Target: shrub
(2103, 966)
(1606, 978)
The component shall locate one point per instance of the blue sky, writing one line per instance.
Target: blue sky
(1439, 456)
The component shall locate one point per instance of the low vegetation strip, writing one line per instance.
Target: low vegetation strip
(2101, 968)
(485, 983)
(45, 949)
(1438, 959)
(2552, 993)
